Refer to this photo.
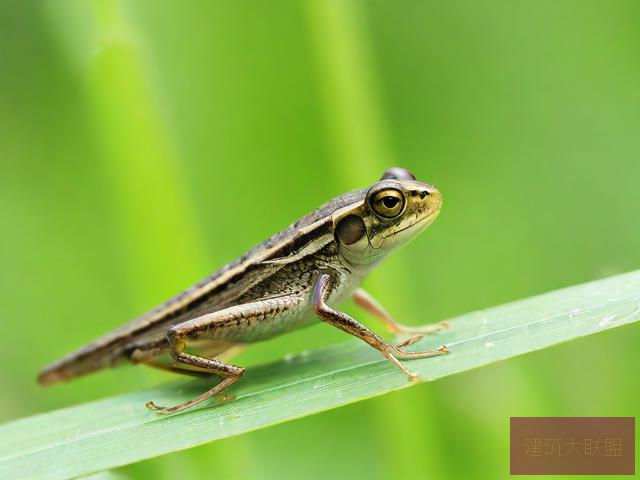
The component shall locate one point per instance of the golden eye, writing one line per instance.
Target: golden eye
(388, 203)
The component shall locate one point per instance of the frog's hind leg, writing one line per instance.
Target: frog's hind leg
(229, 374)
(240, 322)
(365, 301)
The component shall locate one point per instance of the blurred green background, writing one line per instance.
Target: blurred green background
(144, 144)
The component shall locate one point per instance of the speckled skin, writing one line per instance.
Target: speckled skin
(272, 289)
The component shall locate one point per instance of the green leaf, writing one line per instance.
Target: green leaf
(117, 431)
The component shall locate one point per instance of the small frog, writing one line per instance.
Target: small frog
(287, 282)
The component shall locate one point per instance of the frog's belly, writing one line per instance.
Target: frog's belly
(286, 314)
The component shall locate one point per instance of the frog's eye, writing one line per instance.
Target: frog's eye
(388, 203)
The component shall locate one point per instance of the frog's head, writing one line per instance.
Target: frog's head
(392, 212)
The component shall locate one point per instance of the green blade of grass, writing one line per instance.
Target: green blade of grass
(116, 431)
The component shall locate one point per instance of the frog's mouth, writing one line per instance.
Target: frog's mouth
(429, 217)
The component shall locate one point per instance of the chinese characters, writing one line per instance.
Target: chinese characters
(538, 447)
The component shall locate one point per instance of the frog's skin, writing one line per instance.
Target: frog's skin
(287, 282)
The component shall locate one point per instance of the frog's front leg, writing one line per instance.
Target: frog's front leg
(233, 320)
(365, 301)
(344, 322)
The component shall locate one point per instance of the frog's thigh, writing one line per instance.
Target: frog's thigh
(247, 321)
